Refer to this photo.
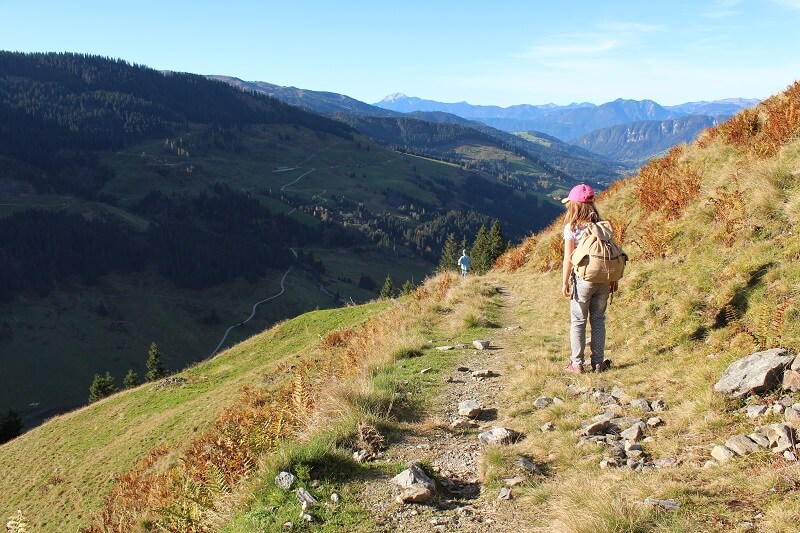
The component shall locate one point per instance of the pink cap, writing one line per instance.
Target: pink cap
(581, 193)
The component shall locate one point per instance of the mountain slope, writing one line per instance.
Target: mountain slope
(138, 206)
(637, 142)
(708, 228)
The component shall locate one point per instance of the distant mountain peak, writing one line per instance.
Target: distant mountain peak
(394, 97)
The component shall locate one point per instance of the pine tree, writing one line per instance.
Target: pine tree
(387, 291)
(496, 243)
(101, 387)
(131, 379)
(407, 288)
(480, 252)
(450, 254)
(155, 368)
(10, 426)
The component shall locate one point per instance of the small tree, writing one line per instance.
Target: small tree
(450, 254)
(480, 252)
(387, 291)
(155, 368)
(407, 288)
(10, 426)
(101, 387)
(496, 243)
(131, 379)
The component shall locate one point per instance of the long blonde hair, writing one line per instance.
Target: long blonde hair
(581, 214)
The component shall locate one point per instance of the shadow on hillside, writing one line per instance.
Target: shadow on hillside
(737, 305)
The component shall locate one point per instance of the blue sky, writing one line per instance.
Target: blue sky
(500, 52)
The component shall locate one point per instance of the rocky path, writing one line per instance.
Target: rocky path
(452, 454)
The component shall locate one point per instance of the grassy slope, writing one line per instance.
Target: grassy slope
(60, 472)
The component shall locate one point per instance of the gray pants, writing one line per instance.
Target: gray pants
(589, 300)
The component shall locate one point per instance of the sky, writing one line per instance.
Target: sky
(485, 53)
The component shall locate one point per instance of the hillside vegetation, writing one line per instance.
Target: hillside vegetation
(709, 229)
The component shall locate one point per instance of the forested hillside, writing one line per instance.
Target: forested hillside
(138, 206)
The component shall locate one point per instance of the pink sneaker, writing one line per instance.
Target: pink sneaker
(572, 368)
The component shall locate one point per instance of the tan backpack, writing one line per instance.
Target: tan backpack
(597, 258)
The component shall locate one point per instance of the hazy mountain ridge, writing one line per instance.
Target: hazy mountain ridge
(635, 143)
(573, 120)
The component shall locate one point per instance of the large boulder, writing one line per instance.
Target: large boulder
(758, 372)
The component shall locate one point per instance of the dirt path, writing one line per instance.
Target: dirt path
(454, 456)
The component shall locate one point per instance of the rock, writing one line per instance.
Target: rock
(781, 437)
(542, 401)
(463, 423)
(361, 456)
(609, 462)
(603, 398)
(634, 454)
(668, 505)
(498, 435)
(790, 414)
(754, 411)
(758, 372)
(307, 517)
(596, 428)
(791, 380)
(335, 497)
(641, 404)
(603, 417)
(618, 393)
(741, 445)
(634, 433)
(288, 526)
(654, 421)
(470, 408)
(529, 466)
(786, 400)
(484, 374)
(425, 370)
(481, 344)
(629, 445)
(789, 456)
(759, 439)
(665, 462)
(722, 453)
(505, 494)
(659, 406)
(305, 498)
(513, 328)
(514, 481)
(548, 426)
(795, 365)
(557, 401)
(462, 369)
(416, 493)
(778, 408)
(285, 480)
(575, 390)
(444, 348)
(414, 475)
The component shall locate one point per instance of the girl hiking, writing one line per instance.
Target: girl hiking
(587, 300)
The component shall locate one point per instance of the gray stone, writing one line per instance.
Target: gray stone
(603, 417)
(654, 421)
(444, 348)
(781, 437)
(722, 453)
(795, 364)
(505, 494)
(596, 428)
(414, 475)
(634, 454)
(603, 398)
(754, 411)
(285, 480)
(741, 445)
(778, 408)
(758, 372)
(470, 408)
(305, 498)
(609, 462)
(791, 380)
(557, 401)
(659, 406)
(789, 456)
(361, 456)
(542, 401)
(416, 493)
(786, 400)
(790, 414)
(514, 481)
(665, 462)
(668, 505)
(634, 433)
(629, 445)
(618, 393)
(642, 404)
(759, 439)
(498, 435)
(529, 466)
(481, 344)
(548, 426)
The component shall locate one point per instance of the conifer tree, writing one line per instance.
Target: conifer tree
(387, 291)
(480, 252)
(407, 288)
(450, 254)
(496, 243)
(155, 368)
(101, 387)
(131, 379)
